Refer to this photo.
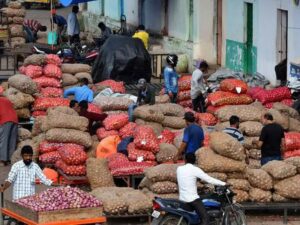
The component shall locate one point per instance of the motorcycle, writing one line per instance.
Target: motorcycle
(219, 205)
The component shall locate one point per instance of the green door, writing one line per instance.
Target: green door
(249, 59)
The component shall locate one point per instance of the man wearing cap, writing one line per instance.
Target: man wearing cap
(198, 87)
(146, 95)
(61, 23)
(193, 136)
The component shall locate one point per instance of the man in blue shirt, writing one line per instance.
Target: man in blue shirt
(61, 23)
(233, 130)
(171, 77)
(193, 136)
(82, 93)
(73, 26)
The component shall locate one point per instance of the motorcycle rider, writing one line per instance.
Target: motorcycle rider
(187, 176)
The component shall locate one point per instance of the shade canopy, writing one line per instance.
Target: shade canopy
(66, 3)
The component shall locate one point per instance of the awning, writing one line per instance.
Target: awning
(67, 3)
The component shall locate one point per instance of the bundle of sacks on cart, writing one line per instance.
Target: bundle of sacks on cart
(14, 18)
(116, 200)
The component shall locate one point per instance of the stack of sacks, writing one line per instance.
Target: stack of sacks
(232, 92)
(269, 97)
(24, 136)
(184, 92)
(160, 181)
(73, 73)
(116, 87)
(292, 144)
(225, 160)
(119, 165)
(204, 119)
(120, 200)
(20, 93)
(15, 15)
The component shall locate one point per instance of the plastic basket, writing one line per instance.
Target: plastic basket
(52, 38)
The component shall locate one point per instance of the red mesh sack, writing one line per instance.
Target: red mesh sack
(145, 139)
(52, 92)
(46, 146)
(134, 153)
(166, 136)
(39, 113)
(116, 160)
(53, 59)
(288, 102)
(132, 168)
(184, 82)
(115, 122)
(186, 103)
(77, 170)
(292, 141)
(49, 157)
(33, 71)
(184, 95)
(45, 103)
(72, 154)
(94, 109)
(254, 91)
(275, 95)
(230, 85)
(207, 118)
(213, 109)
(22, 70)
(220, 98)
(290, 154)
(47, 82)
(52, 70)
(114, 85)
(269, 105)
(102, 133)
(127, 130)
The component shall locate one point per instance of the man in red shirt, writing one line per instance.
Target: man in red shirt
(8, 130)
(32, 27)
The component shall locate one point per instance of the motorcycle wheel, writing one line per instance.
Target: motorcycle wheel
(172, 220)
(234, 216)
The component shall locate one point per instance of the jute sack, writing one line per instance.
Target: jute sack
(107, 103)
(35, 59)
(226, 145)
(18, 20)
(23, 113)
(167, 152)
(57, 119)
(170, 109)
(289, 188)
(295, 161)
(235, 175)
(14, 5)
(209, 161)
(248, 142)
(145, 183)
(174, 122)
(240, 184)
(279, 169)
(219, 176)
(278, 198)
(69, 79)
(254, 164)
(69, 136)
(164, 187)
(23, 134)
(86, 75)
(136, 201)
(19, 100)
(148, 113)
(251, 128)
(284, 108)
(23, 83)
(259, 178)
(16, 30)
(112, 203)
(62, 109)
(178, 139)
(259, 195)
(280, 118)
(241, 196)
(254, 154)
(162, 99)
(98, 173)
(157, 127)
(294, 125)
(221, 126)
(11, 12)
(37, 125)
(75, 68)
(244, 112)
(17, 41)
(162, 172)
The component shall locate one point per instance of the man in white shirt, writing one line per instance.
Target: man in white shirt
(73, 26)
(187, 176)
(23, 174)
(198, 87)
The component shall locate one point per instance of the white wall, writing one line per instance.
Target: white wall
(95, 6)
(112, 9)
(154, 15)
(131, 11)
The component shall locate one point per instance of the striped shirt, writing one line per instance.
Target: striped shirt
(235, 133)
(23, 179)
(33, 25)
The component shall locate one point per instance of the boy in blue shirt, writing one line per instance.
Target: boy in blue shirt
(171, 77)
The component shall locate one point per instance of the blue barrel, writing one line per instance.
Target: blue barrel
(67, 3)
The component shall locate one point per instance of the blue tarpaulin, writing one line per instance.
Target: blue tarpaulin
(66, 3)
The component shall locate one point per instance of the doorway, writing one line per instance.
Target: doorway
(219, 31)
(282, 35)
(248, 64)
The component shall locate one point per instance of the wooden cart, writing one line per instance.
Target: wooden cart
(61, 217)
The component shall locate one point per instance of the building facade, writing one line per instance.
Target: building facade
(243, 35)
